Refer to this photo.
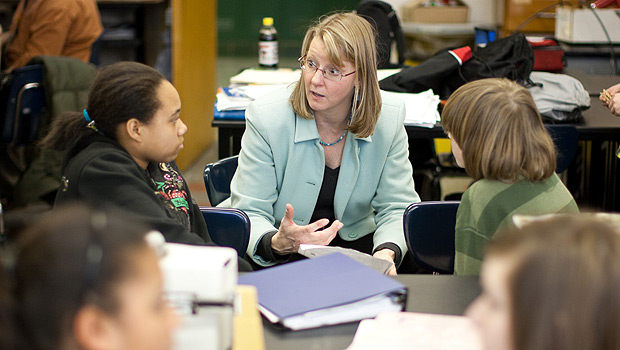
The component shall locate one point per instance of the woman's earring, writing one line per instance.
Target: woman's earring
(354, 105)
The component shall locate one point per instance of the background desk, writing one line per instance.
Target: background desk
(592, 178)
(591, 58)
(437, 294)
(229, 133)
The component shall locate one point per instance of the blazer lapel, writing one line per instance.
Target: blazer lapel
(305, 129)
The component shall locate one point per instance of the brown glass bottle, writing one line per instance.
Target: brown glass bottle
(268, 45)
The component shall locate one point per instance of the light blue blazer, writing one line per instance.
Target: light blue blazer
(281, 161)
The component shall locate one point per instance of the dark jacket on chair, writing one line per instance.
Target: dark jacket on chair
(66, 82)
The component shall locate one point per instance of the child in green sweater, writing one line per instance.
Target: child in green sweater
(499, 138)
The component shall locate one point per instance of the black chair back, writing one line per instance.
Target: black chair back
(429, 232)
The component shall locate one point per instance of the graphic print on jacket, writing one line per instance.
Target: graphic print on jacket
(171, 190)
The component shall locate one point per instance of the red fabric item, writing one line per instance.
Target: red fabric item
(462, 54)
(604, 3)
(543, 42)
(548, 55)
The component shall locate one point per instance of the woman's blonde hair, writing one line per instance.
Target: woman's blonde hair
(563, 281)
(347, 37)
(497, 126)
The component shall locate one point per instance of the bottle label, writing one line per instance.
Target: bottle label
(267, 53)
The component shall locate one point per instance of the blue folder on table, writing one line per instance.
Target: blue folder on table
(228, 115)
(327, 290)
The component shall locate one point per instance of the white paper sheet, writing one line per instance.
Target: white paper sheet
(411, 330)
(421, 108)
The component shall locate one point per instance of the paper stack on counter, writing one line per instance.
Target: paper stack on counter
(421, 108)
(284, 76)
(327, 290)
(266, 76)
(411, 330)
(238, 98)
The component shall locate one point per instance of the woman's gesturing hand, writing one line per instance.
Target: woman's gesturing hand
(290, 235)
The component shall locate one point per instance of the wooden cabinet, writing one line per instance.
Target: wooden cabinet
(194, 47)
(517, 15)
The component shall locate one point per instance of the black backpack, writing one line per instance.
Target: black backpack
(510, 57)
(381, 15)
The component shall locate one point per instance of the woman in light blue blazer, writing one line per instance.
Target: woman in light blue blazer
(325, 161)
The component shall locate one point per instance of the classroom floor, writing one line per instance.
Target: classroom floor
(229, 66)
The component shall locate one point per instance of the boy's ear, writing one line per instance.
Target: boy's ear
(94, 330)
(133, 127)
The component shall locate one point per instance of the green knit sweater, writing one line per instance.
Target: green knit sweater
(487, 207)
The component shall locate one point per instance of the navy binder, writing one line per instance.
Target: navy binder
(327, 290)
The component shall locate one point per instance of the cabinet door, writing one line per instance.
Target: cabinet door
(518, 11)
(193, 72)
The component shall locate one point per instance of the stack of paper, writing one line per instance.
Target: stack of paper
(238, 98)
(315, 251)
(421, 108)
(231, 99)
(327, 290)
(284, 76)
(410, 330)
(266, 76)
(384, 73)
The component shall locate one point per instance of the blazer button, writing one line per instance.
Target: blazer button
(352, 235)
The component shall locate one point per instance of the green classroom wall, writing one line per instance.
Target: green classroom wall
(238, 23)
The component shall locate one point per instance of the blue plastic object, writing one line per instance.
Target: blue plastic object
(484, 36)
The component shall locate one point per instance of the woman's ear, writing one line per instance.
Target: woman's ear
(93, 329)
(133, 128)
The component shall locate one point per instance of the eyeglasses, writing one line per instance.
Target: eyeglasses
(332, 74)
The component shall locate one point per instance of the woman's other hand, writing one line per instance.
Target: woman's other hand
(387, 254)
(611, 99)
(290, 235)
